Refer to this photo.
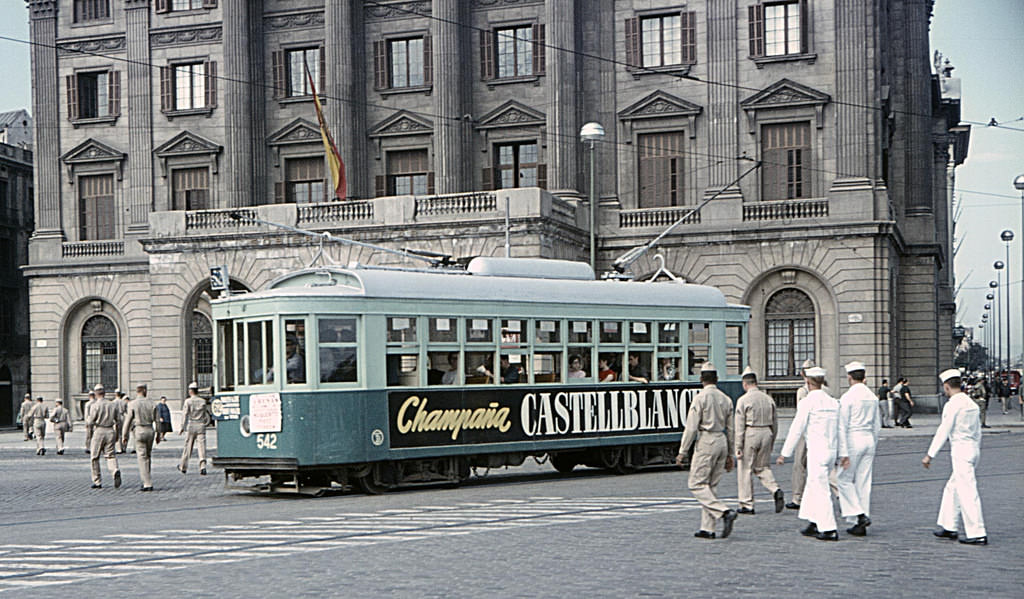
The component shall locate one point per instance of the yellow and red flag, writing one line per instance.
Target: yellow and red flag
(333, 157)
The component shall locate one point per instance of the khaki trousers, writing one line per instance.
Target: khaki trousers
(195, 432)
(143, 450)
(26, 424)
(706, 470)
(757, 450)
(88, 437)
(59, 432)
(103, 443)
(39, 427)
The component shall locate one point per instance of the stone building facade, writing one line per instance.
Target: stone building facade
(157, 118)
(15, 228)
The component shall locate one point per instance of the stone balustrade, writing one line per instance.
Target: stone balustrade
(656, 217)
(785, 210)
(91, 249)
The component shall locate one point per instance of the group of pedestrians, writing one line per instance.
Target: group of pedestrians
(111, 424)
(832, 445)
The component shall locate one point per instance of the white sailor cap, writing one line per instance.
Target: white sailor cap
(708, 367)
(816, 371)
(853, 366)
(948, 374)
(58, 400)
(807, 364)
(748, 371)
(193, 385)
(98, 388)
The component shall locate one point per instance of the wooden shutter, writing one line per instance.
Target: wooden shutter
(166, 89)
(163, 6)
(322, 83)
(211, 83)
(279, 192)
(688, 25)
(430, 183)
(209, 3)
(380, 64)
(542, 176)
(487, 179)
(428, 61)
(539, 49)
(379, 186)
(72, 83)
(755, 18)
(114, 89)
(804, 26)
(277, 66)
(633, 42)
(487, 55)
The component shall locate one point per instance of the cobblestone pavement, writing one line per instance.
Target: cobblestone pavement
(524, 532)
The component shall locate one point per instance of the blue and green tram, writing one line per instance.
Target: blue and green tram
(378, 377)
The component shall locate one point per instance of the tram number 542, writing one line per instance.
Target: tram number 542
(266, 441)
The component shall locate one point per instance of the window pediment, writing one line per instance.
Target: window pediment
(402, 123)
(188, 144)
(299, 131)
(512, 114)
(661, 105)
(91, 152)
(783, 94)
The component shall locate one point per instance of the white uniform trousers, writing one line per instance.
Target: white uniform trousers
(816, 503)
(706, 470)
(855, 481)
(960, 497)
(757, 449)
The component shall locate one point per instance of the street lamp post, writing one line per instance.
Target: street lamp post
(1018, 183)
(997, 319)
(1007, 237)
(591, 133)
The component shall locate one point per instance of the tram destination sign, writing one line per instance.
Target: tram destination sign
(438, 416)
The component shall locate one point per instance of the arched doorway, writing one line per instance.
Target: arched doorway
(99, 353)
(789, 319)
(202, 350)
(197, 337)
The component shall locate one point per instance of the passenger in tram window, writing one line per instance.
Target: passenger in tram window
(667, 370)
(295, 360)
(605, 373)
(451, 376)
(509, 373)
(638, 373)
(576, 367)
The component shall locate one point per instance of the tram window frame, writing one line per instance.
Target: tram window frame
(240, 362)
(544, 329)
(302, 346)
(582, 346)
(478, 366)
(407, 340)
(263, 360)
(734, 349)
(510, 332)
(692, 373)
(556, 355)
(346, 346)
(605, 336)
(226, 355)
(668, 347)
(470, 327)
(449, 335)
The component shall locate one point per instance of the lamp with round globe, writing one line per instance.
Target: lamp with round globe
(1007, 237)
(592, 133)
(998, 266)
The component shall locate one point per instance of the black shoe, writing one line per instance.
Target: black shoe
(727, 519)
(42, 451)
(703, 534)
(810, 531)
(746, 510)
(792, 506)
(886, 426)
(942, 533)
(180, 469)
(857, 530)
(908, 425)
(97, 486)
(985, 426)
(146, 489)
(828, 535)
(975, 541)
(780, 500)
(202, 471)
(39, 452)
(60, 452)
(117, 479)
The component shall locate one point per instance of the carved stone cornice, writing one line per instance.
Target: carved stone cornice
(402, 123)
(42, 9)
(485, 4)
(295, 20)
(188, 144)
(512, 114)
(96, 45)
(785, 94)
(134, 4)
(91, 151)
(397, 10)
(659, 105)
(185, 36)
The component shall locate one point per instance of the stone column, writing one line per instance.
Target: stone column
(139, 177)
(853, 117)
(449, 152)
(723, 100)
(563, 129)
(260, 187)
(917, 69)
(346, 82)
(46, 102)
(238, 173)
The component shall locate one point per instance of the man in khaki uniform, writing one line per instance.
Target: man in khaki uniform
(756, 427)
(195, 417)
(121, 401)
(26, 421)
(105, 422)
(89, 405)
(61, 419)
(38, 415)
(709, 423)
(142, 415)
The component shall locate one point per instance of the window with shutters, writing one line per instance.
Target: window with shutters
(304, 180)
(188, 88)
(298, 62)
(93, 96)
(659, 43)
(190, 188)
(172, 6)
(403, 64)
(789, 317)
(785, 160)
(408, 173)
(660, 169)
(96, 209)
(99, 354)
(91, 10)
(512, 53)
(516, 164)
(779, 30)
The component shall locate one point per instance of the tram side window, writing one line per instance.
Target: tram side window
(338, 350)
(547, 367)
(226, 359)
(639, 366)
(511, 370)
(579, 332)
(611, 332)
(442, 330)
(579, 363)
(479, 330)
(608, 367)
(295, 351)
(444, 368)
(401, 330)
(698, 346)
(733, 348)
(261, 354)
(402, 370)
(512, 330)
(547, 332)
(668, 352)
(479, 368)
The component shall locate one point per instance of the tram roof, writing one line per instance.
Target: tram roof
(463, 286)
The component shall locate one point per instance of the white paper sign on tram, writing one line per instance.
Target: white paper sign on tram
(265, 413)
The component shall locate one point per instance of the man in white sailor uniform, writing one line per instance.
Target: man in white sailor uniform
(859, 424)
(961, 424)
(756, 427)
(817, 422)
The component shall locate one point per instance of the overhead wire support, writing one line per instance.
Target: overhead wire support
(624, 261)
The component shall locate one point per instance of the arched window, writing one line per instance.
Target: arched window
(789, 320)
(202, 350)
(99, 353)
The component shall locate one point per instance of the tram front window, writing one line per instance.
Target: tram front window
(295, 351)
(336, 338)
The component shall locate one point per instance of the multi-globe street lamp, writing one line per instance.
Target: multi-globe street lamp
(1007, 237)
(591, 133)
(998, 265)
(1018, 183)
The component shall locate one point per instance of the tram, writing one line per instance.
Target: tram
(369, 377)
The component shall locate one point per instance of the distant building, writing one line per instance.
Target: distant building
(16, 224)
(16, 128)
(155, 120)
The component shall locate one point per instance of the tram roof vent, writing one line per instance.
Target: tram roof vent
(531, 268)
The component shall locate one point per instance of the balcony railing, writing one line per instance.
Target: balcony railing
(455, 204)
(85, 249)
(656, 217)
(218, 219)
(335, 212)
(785, 209)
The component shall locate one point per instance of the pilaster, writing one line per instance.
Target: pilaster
(139, 179)
(853, 117)
(562, 146)
(723, 100)
(449, 150)
(345, 80)
(45, 110)
(238, 103)
(918, 84)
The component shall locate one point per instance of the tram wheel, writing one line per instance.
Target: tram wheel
(611, 458)
(563, 462)
(370, 486)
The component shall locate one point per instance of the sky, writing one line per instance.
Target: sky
(983, 39)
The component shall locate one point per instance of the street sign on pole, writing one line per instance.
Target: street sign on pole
(219, 278)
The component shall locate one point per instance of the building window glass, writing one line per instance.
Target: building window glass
(91, 10)
(304, 180)
(99, 354)
(406, 62)
(517, 164)
(785, 154)
(202, 350)
(407, 172)
(93, 95)
(96, 208)
(782, 29)
(189, 86)
(515, 51)
(177, 5)
(789, 319)
(298, 62)
(191, 188)
(660, 169)
(661, 38)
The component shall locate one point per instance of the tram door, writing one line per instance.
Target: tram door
(6, 397)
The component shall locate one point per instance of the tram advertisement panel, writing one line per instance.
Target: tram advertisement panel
(437, 416)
